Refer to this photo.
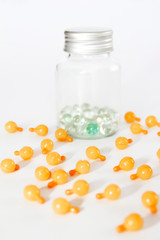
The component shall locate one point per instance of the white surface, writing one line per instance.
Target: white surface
(30, 46)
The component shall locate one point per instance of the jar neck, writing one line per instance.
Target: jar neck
(89, 56)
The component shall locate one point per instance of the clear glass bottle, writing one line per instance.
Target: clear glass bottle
(88, 85)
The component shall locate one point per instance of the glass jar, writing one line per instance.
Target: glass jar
(88, 85)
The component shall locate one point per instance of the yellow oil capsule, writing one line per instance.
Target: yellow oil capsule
(58, 177)
(9, 166)
(62, 135)
(122, 142)
(133, 222)
(12, 127)
(151, 121)
(126, 164)
(144, 172)
(25, 153)
(150, 200)
(93, 153)
(32, 193)
(46, 146)
(130, 117)
(111, 192)
(54, 158)
(62, 206)
(42, 173)
(41, 130)
(80, 187)
(136, 128)
(158, 153)
(82, 167)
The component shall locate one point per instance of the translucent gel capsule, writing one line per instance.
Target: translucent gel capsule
(80, 187)
(12, 127)
(54, 158)
(9, 166)
(158, 153)
(32, 193)
(62, 206)
(122, 142)
(130, 117)
(62, 135)
(111, 192)
(126, 164)
(144, 172)
(136, 128)
(93, 153)
(41, 130)
(58, 177)
(42, 173)
(151, 121)
(133, 222)
(25, 153)
(82, 167)
(150, 200)
(46, 146)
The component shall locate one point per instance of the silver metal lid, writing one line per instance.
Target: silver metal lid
(88, 41)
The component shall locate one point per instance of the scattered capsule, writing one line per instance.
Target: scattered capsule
(82, 167)
(131, 117)
(144, 172)
(59, 177)
(26, 153)
(158, 133)
(133, 222)
(41, 130)
(151, 121)
(80, 187)
(12, 127)
(46, 146)
(9, 166)
(158, 153)
(93, 153)
(62, 135)
(42, 173)
(126, 164)
(54, 158)
(136, 128)
(62, 206)
(150, 200)
(111, 192)
(122, 142)
(32, 193)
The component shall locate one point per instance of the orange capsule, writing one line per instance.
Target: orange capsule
(46, 146)
(111, 192)
(32, 193)
(12, 127)
(9, 166)
(62, 206)
(131, 117)
(158, 153)
(122, 142)
(158, 133)
(26, 153)
(42, 173)
(93, 153)
(82, 167)
(151, 121)
(136, 128)
(62, 135)
(59, 177)
(144, 172)
(54, 158)
(133, 222)
(80, 187)
(41, 130)
(126, 164)
(150, 200)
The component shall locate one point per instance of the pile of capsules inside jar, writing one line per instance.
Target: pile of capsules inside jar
(88, 122)
(133, 221)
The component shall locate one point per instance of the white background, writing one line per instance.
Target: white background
(31, 43)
